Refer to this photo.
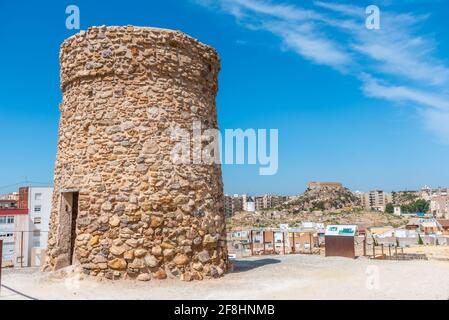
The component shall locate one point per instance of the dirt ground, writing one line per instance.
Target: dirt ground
(266, 277)
(432, 252)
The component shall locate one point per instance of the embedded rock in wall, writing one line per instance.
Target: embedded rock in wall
(121, 206)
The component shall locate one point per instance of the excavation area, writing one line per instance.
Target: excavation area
(262, 277)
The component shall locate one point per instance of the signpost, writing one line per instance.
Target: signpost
(339, 241)
(252, 242)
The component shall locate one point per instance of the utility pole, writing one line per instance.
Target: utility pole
(21, 251)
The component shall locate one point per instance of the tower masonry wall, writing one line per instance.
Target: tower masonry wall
(139, 214)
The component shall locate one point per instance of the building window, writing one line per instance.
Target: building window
(38, 196)
(2, 220)
(36, 243)
(36, 233)
(10, 219)
(37, 208)
(37, 220)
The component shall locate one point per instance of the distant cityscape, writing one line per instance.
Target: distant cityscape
(25, 214)
(276, 223)
(376, 200)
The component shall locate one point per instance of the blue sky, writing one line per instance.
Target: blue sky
(369, 108)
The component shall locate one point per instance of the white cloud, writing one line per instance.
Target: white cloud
(404, 59)
(437, 121)
(305, 41)
(372, 88)
(346, 9)
(297, 28)
(287, 12)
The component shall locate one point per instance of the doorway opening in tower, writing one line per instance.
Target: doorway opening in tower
(67, 225)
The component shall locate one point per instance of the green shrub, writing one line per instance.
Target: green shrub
(420, 242)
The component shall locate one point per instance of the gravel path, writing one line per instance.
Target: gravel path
(268, 277)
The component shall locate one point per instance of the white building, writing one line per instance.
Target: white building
(39, 213)
(25, 229)
(7, 235)
(250, 205)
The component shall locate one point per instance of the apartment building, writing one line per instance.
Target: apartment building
(24, 228)
(439, 206)
(8, 204)
(439, 200)
(10, 196)
(39, 199)
(259, 203)
(428, 193)
(233, 204)
(244, 202)
(10, 220)
(375, 199)
(269, 201)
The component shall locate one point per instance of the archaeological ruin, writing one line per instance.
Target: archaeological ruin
(122, 207)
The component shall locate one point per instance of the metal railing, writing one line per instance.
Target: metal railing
(384, 251)
(264, 242)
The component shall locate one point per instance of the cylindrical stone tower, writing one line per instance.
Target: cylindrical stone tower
(122, 207)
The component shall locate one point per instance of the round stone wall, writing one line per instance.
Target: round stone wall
(122, 208)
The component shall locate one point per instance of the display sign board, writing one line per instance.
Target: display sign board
(341, 230)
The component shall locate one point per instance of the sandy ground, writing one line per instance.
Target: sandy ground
(432, 252)
(268, 277)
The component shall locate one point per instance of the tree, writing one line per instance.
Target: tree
(419, 205)
(374, 241)
(389, 208)
(420, 242)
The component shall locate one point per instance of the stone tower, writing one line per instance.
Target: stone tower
(122, 207)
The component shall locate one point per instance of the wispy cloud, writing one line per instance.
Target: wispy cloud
(281, 11)
(305, 40)
(346, 9)
(373, 88)
(397, 63)
(437, 121)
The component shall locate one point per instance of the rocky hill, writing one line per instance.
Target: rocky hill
(405, 197)
(328, 204)
(272, 219)
(324, 198)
